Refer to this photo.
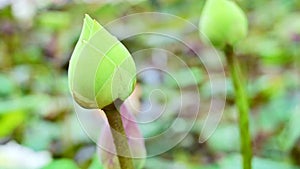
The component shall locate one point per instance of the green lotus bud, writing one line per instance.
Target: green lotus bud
(101, 69)
(223, 22)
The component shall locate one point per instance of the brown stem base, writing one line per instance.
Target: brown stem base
(119, 136)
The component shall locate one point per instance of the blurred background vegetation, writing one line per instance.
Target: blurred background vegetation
(38, 125)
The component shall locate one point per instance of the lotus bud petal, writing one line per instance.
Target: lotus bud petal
(223, 23)
(101, 69)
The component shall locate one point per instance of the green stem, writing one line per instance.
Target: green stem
(241, 100)
(119, 136)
